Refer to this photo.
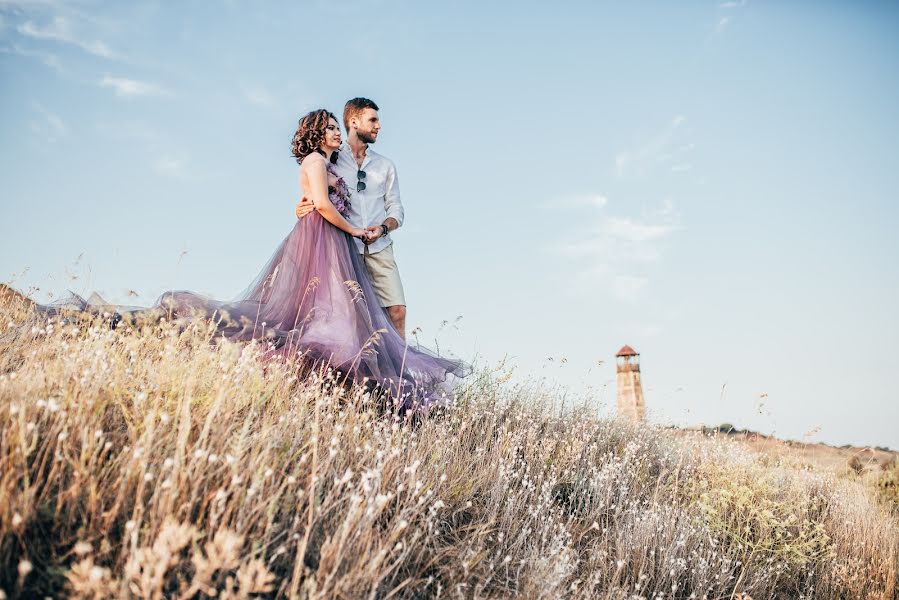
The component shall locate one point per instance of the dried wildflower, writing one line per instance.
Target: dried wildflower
(222, 553)
(255, 578)
(25, 567)
(82, 548)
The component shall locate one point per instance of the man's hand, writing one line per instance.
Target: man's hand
(304, 208)
(373, 233)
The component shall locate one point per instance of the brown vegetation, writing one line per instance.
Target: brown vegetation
(147, 463)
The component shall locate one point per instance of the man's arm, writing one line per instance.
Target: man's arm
(392, 202)
(392, 205)
(304, 207)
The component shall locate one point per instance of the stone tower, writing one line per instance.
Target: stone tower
(631, 405)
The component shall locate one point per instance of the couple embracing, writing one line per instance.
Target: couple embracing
(343, 292)
(330, 296)
(375, 208)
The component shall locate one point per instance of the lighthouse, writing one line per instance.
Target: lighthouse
(631, 405)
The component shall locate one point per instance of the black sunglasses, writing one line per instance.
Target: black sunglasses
(360, 183)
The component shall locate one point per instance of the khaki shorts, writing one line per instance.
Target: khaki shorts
(385, 277)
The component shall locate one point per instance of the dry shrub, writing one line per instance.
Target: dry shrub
(886, 485)
(764, 513)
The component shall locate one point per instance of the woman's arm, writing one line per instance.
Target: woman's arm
(317, 177)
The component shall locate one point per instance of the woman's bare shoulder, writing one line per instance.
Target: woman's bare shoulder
(313, 165)
(313, 159)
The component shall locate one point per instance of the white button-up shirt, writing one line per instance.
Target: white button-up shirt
(380, 198)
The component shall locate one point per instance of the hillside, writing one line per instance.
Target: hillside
(148, 463)
(822, 457)
(864, 461)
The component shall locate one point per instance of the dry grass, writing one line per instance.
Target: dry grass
(150, 464)
(874, 468)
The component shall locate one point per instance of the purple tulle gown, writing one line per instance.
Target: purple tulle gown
(313, 301)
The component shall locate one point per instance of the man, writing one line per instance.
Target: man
(374, 204)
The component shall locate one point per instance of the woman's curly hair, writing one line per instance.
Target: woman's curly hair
(310, 133)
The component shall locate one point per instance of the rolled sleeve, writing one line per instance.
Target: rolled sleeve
(392, 203)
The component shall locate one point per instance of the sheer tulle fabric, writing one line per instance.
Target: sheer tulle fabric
(312, 301)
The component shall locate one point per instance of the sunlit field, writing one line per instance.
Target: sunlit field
(149, 463)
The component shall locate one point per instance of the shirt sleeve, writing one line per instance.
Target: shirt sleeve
(392, 203)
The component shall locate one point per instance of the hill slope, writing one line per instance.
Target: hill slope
(148, 463)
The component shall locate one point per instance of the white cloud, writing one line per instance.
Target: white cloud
(163, 153)
(617, 251)
(22, 6)
(578, 201)
(723, 22)
(635, 230)
(259, 96)
(601, 247)
(648, 330)
(172, 166)
(61, 30)
(666, 211)
(50, 60)
(628, 287)
(50, 128)
(660, 148)
(130, 130)
(55, 122)
(593, 200)
(131, 87)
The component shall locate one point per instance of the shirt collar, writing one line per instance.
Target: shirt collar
(346, 150)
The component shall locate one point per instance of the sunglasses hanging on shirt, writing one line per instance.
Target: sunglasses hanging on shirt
(360, 180)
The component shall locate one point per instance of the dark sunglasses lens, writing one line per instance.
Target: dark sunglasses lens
(360, 186)
(360, 175)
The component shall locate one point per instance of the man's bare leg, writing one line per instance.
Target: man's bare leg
(398, 317)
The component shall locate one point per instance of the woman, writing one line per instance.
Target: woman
(313, 300)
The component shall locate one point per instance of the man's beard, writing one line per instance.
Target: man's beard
(366, 138)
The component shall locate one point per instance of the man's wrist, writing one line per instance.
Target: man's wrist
(384, 229)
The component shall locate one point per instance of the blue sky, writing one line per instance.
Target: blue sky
(713, 183)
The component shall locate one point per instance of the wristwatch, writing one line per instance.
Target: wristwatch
(385, 229)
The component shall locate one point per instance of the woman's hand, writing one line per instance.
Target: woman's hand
(358, 232)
